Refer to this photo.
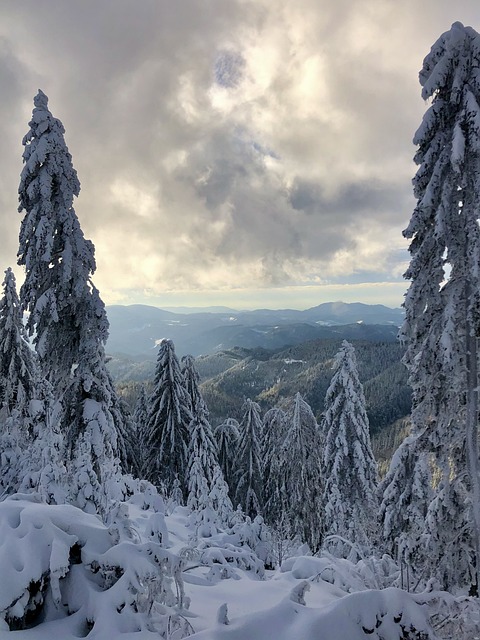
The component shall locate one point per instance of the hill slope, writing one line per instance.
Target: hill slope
(272, 377)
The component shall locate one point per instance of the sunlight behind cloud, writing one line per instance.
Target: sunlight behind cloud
(140, 202)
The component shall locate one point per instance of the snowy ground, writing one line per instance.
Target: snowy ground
(304, 599)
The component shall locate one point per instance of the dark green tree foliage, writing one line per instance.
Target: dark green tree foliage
(169, 417)
(307, 368)
(249, 463)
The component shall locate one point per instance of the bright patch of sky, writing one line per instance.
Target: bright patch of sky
(241, 153)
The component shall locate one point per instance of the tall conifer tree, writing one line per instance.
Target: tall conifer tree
(202, 447)
(275, 424)
(169, 417)
(442, 305)
(66, 315)
(249, 463)
(349, 501)
(65, 310)
(18, 388)
(300, 473)
(227, 436)
(18, 375)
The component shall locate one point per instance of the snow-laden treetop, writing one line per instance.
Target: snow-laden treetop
(453, 49)
(59, 261)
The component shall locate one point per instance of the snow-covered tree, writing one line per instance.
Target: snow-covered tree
(219, 498)
(18, 377)
(249, 463)
(65, 309)
(442, 305)
(192, 385)
(350, 470)
(137, 443)
(405, 493)
(202, 455)
(197, 484)
(227, 436)
(300, 474)
(43, 467)
(203, 467)
(273, 437)
(169, 417)
(66, 315)
(18, 388)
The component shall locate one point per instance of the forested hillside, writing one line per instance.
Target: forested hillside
(273, 378)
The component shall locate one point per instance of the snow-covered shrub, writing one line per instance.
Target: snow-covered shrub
(452, 617)
(59, 562)
(245, 546)
(257, 536)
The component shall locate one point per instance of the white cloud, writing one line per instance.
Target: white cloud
(227, 145)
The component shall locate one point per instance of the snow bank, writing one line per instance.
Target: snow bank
(66, 575)
(390, 614)
(65, 572)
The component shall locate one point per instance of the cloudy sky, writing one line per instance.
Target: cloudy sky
(252, 153)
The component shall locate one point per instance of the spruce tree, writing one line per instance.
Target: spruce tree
(350, 471)
(66, 314)
(18, 388)
(405, 493)
(42, 466)
(192, 385)
(442, 305)
(202, 454)
(139, 428)
(65, 309)
(169, 417)
(18, 376)
(300, 474)
(219, 498)
(274, 492)
(227, 436)
(249, 463)
(202, 448)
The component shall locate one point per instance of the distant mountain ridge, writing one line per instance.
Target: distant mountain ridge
(135, 330)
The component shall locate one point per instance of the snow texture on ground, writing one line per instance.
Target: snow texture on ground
(290, 603)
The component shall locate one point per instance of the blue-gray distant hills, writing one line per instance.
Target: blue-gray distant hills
(135, 330)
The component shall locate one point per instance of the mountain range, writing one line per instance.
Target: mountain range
(136, 330)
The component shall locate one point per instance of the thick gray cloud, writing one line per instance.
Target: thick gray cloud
(225, 145)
